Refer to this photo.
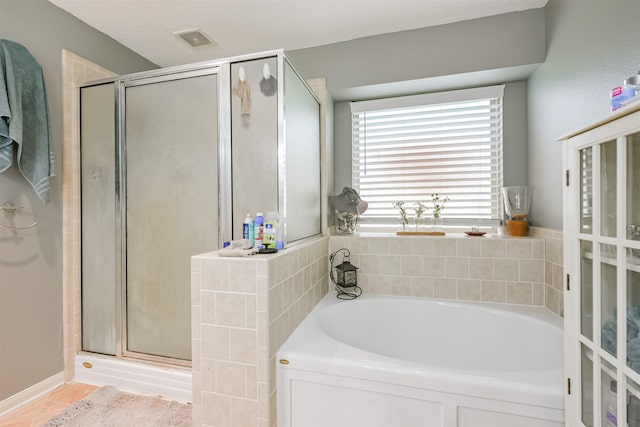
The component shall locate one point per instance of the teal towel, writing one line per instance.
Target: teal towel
(609, 336)
(24, 118)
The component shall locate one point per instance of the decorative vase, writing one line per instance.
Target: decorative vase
(436, 224)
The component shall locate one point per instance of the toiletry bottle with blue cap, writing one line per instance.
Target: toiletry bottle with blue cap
(280, 233)
(270, 230)
(258, 230)
(248, 229)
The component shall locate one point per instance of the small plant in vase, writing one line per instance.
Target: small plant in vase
(438, 207)
(420, 210)
(403, 213)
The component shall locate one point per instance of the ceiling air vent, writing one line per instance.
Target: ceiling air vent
(195, 37)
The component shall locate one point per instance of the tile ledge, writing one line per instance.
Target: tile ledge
(492, 236)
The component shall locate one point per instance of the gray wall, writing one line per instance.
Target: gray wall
(585, 48)
(591, 47)
(453, 56)
(31, 347)
(492, 43)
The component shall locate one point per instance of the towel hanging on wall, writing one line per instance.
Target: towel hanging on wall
(24, 118)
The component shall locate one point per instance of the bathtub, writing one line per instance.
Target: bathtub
(382, 361)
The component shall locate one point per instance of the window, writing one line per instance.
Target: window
(448, 143)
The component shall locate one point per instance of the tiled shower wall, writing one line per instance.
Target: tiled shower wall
(243, 309)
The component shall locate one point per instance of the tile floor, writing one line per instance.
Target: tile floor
(43, 408)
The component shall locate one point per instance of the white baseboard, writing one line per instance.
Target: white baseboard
(136, 377)
(31, 393)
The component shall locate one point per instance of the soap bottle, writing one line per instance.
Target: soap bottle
(258, 230)
(270, 230)
(280, 234)
(246, 227)
(226, 240)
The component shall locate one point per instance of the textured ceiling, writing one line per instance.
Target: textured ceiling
(246, 26)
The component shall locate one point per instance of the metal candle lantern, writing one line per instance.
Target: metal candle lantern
(346, 276)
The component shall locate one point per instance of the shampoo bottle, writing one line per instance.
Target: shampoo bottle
(258, 230)
(270, 230)
(246, 227)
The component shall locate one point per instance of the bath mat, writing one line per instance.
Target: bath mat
(110, 407)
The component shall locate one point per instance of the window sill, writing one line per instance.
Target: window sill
(491, 233)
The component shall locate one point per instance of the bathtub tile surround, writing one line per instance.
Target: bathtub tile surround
(466, 268)
(243, 309)
(553, 269)
(514, 270)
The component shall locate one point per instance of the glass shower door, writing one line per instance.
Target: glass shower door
(98, 201)
(171, 189)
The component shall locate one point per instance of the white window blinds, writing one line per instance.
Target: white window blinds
(450, 143)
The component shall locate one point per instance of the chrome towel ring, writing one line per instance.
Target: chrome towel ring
(10, 208)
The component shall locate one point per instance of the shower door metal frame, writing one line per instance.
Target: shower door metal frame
(121, 201)
(225, 217)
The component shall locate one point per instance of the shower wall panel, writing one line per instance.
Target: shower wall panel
(302, 158)
(98, 163)
(167, 157)
(172, 206)
(254, 139)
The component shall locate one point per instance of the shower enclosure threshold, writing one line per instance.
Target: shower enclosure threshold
(171, 382)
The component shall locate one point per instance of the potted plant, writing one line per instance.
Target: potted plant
(438, 207)
(403, 213)
(420, 209)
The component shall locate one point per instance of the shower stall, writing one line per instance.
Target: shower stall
(171, 162)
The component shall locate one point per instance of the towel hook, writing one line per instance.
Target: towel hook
(10, 208)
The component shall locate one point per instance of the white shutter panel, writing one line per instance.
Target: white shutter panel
(410, 152)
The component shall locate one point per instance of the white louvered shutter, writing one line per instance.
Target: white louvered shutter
(411, 147)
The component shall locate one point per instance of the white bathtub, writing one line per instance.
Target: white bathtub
(400, 361)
